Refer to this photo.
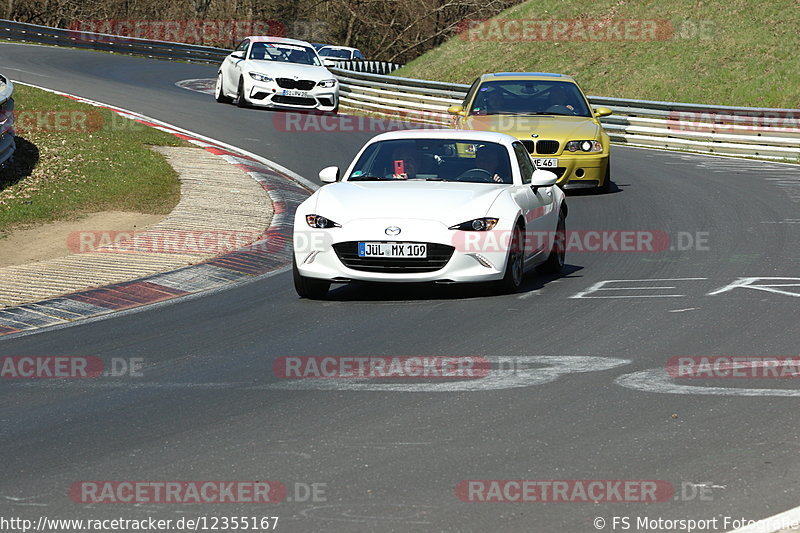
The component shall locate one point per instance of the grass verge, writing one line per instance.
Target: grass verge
(73, 159)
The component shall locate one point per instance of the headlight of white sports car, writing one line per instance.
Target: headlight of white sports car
(260, 77)
(327, 84)
(478, 224)
(319, 222)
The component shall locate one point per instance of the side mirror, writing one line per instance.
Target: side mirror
(238, 54)
(602, 112)
(543, 178)
(329, 175)
(456, 110)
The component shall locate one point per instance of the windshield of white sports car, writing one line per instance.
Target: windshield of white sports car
(529, 97)
(434, 160)
(284, 53)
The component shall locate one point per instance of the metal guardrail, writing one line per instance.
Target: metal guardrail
(766, 133)
(7, 144)
(19, 31)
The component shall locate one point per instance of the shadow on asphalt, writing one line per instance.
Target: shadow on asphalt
(416, 292)
(615, 188)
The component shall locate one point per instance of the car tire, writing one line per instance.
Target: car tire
(555, 261)
(241, 101)
(515, 265)
(606, 186)
(313, 289)
(219, 93)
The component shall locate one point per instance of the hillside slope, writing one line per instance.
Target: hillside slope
(738, 52)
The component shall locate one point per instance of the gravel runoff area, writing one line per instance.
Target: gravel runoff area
(221, 208)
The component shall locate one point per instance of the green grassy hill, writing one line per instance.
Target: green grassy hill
(736, 52)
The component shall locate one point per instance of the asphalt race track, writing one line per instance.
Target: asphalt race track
(208, 406)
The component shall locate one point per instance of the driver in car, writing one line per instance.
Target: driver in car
(559, 97)
(404, 163)
(486, 158)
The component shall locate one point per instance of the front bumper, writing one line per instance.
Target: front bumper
(579, 171)
(316, 253)
(271, 95)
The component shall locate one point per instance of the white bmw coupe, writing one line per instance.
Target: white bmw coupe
(431, 205)
(279, 73)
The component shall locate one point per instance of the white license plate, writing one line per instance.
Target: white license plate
(393, 250)
(550, 162)
(301, 94)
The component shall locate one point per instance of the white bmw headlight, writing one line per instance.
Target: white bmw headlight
(327, 84)
(584, 146)
(260, 77)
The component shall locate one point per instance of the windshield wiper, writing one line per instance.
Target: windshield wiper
(532, 113)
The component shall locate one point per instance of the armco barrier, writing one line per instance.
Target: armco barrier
(7, 144)
(743, 131)
(19, 31)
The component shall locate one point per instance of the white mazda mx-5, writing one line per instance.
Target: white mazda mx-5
(279, 73)
(431, 205)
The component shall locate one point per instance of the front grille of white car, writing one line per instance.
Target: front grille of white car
(438, 256)
(294, 100)
(300, 85)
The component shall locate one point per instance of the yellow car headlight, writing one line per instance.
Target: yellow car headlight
(589, 146)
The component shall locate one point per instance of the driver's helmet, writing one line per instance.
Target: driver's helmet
(558, 95)
(487, 158)
(259, 51)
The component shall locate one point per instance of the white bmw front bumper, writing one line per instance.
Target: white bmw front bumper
(272, 94)
(452, 255)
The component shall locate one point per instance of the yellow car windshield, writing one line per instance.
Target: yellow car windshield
(529, 97)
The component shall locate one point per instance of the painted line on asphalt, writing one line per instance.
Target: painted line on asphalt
(773, 524)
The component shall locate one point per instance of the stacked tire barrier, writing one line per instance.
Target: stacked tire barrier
(7, 144)
(370, 67)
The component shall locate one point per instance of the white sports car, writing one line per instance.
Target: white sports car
(276, 72)
(431, 205)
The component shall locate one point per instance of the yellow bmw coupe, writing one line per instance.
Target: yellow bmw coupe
(552, 117)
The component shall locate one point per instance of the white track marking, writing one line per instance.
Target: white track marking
(523, 375)
(658, 380)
